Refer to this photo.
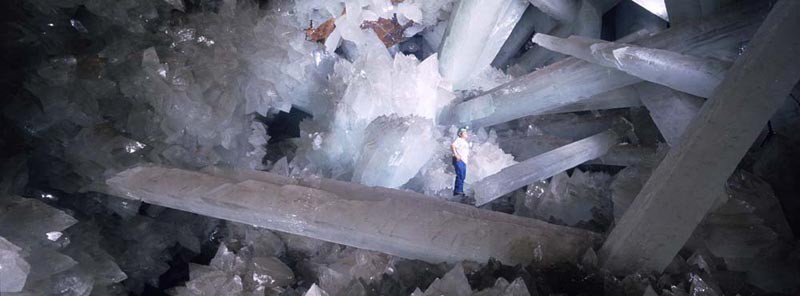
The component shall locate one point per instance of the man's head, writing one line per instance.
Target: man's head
(462, 133)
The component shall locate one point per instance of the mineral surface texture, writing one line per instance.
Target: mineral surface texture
(566, 81)
(476, 33)
(543, 166)
(391, 221)
(681, 190)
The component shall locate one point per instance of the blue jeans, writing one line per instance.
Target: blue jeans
(461, 174)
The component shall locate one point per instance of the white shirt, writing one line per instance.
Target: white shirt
(462, 149)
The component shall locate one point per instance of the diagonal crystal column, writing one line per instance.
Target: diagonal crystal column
(623, 97)
(566, 81)
(395, 222)
(543, 166)
(683, 187)
(694, 75)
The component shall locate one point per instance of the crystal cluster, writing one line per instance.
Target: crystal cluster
(178, 109)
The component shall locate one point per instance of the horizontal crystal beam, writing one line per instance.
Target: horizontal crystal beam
(543, 166)
(694, 75)
(395, 222)
(620, 155)
(684, 186)
(566, 81)
(623, 97)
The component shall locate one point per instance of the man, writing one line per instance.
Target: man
(460, 149)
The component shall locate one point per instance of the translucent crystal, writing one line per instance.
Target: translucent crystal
(391, 155)
(14, 269)
(476, 33)
(543, 166)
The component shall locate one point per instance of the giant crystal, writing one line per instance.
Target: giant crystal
(476, 33)
(586, 23)
(564, 82)
(689, 74)
(391, 154)
(395, 222)
(671, 110)
(13, 268)
(650, 233)
(532, 20)
(543, 166)
(376, 85)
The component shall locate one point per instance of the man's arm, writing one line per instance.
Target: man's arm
(453, 148)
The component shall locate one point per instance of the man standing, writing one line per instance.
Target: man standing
(460, 149)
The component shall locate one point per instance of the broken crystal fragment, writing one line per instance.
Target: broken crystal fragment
(13, 268)
(315, 291)
(453, 283)
(583, 197)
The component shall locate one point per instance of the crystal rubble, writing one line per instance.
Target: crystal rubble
(566, 81)
(453, 283)
(336, 271)
(13, 268)
(743, 229)
(134, 249)
(294, 204)
(671, 110)
(268, 83)
(543, 166)
(48, 254)
(391, 21)
(648, 235)
(231, 273)
(749, 232)
(476, 32)
(697, 76)
(573, 200)
(412, 90)
(315, 291)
